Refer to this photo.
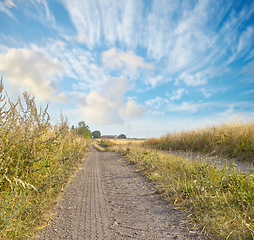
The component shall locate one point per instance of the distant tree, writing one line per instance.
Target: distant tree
(96, 134)
(121, 136)
(83, 130)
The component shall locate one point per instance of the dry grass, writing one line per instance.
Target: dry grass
(227, 140)
(220, 201)
(127, 141)
(36, 159)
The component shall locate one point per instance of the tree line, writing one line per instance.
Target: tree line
(83, 130)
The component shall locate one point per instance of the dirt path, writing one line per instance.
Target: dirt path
(107, 199)
(219, 162)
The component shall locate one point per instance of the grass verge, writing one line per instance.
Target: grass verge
(220, 201)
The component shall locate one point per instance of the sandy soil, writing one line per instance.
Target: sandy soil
(108, 199)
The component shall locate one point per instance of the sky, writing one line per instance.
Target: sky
(143, 68)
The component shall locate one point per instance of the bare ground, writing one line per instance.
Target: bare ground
(108, 199)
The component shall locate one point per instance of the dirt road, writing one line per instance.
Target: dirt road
(107, 199)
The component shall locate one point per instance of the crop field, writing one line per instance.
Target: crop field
(219, 201)
(36, 160)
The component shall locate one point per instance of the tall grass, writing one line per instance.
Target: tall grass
(36, 159)
(227, 140)
(220, 202)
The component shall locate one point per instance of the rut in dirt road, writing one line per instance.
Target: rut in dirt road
(107, 199)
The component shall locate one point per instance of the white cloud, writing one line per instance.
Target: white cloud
(117, 60)
(99, 108)
(132, 109)
(185, 107)
(31, 71)
(108, 106)
(157, 80)
(205, 93)
(176, 95)
(156, 102)
(193, 80)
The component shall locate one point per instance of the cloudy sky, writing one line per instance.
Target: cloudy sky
(138, 67)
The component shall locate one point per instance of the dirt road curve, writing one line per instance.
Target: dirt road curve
(107, 199)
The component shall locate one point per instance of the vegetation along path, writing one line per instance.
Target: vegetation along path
(108, 199)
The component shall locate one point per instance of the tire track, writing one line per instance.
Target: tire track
(108, 200)
(81, 213)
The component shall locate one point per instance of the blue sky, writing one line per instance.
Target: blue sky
(139, 67)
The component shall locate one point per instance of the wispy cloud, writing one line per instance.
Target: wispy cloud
(249, 69)
(183, 34)
(112, 21)
(176, 95)
(10, 3)
(155, 81)
(5, 8)
(38, 10)
(205, 92)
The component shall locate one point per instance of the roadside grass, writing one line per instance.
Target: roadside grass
(227, 140)
(221, 202)
(98, 146)
(36, 160)
(127, 141)
(103, 145)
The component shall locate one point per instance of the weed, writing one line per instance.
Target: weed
(36, 159)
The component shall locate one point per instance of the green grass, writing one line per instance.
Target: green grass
(227, 140)
(221, 202)
(36, 160)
